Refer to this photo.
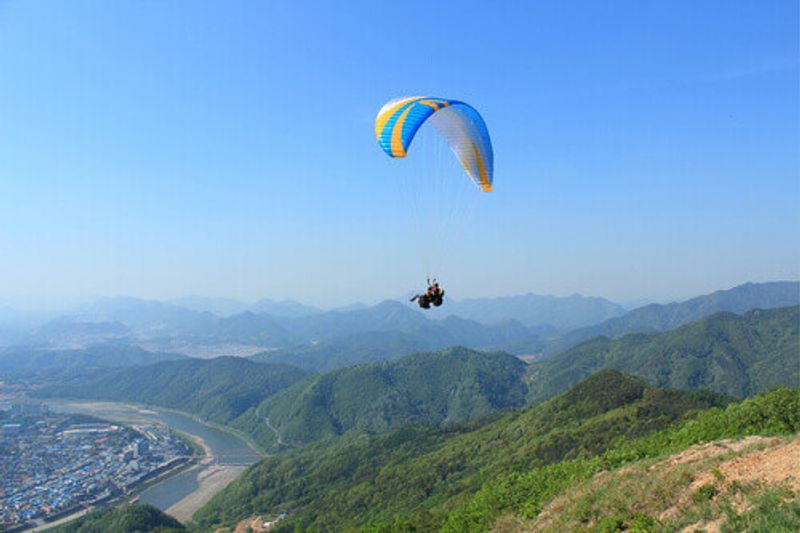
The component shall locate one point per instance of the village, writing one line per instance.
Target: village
(52, 464)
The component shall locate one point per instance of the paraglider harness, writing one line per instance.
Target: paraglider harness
(434, 295)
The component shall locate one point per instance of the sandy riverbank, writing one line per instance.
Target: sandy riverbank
(210, 481)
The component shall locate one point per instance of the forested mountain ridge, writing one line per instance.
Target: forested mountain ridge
(436, 389)
(439, 388)
(128, 518)
(524, 494)
(35, 363)
(739, 355)
(218, 389)
(363, 477)
(664, 317)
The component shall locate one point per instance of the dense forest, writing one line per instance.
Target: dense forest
(364, 477)
(434, 389)
(463, 479)
(532, 468)
(739, 355)
(129, 518)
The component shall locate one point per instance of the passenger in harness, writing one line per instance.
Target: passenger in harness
(437, 294)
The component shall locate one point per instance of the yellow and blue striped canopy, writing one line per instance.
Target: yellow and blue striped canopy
(459, 123)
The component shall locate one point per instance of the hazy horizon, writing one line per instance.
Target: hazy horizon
(67, 306)
(642, 153)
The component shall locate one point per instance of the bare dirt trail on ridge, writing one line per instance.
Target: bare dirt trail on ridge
(775, 466)
(272, 428)
(667, 489)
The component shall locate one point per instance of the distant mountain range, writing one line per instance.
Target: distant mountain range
(283, 308)
(164, 327)
(563, 313)
(397, 333)
(738, 355)
(74, 332)
(227, 307)
(315, 340)
(402, 332)
(664, 317)
(216, 306)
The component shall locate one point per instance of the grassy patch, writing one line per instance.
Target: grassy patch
(774, 510)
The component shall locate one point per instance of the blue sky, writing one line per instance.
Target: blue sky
(158, 149)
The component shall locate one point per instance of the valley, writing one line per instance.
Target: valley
(366, 445)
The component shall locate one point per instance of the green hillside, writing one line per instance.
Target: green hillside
(524, 494)
(218, 389)
(475, 479)
(434, 389)
(727, 485)
(739, 355)
(363, 477)
(130, 518)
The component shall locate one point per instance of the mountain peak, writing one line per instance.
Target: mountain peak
(607, 389)
(283, 308)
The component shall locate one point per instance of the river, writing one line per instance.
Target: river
(182, 493)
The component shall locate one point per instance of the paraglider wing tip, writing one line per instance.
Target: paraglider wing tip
(486, 187)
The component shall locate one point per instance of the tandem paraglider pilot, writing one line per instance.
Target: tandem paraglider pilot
(433, 295)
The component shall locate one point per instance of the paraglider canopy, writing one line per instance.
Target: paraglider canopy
(459, 123)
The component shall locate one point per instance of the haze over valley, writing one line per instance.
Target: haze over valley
(298, 379)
